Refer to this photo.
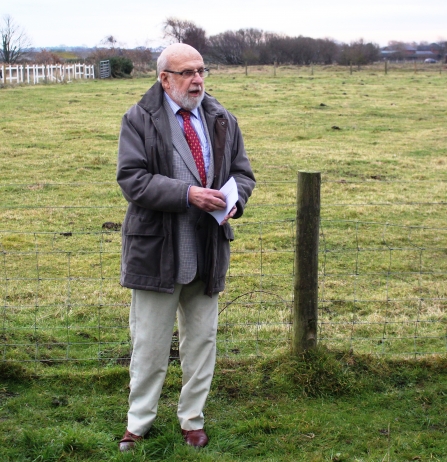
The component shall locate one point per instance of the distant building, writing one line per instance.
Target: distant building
(405, 52)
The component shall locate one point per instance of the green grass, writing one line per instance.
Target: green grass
(324, 406)
(378, 140)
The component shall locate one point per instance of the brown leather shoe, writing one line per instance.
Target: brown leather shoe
(128, 441)
(196, 438)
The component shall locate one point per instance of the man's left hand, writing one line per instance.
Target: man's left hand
(230, 215)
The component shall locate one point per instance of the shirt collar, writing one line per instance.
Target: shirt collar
(175, 107)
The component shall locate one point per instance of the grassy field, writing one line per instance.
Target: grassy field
(379, 141)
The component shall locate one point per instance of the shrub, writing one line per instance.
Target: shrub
(120, 66)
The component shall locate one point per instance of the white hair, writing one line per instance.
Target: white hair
(162, 63)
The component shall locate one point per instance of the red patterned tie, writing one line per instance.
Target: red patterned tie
(194, 144)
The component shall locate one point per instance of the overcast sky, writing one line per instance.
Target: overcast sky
(139, 22)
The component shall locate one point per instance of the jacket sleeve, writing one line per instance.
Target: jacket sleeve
(143, 181)
(240, 169)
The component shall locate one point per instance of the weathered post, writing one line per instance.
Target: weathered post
(246, 68)
(305, 307)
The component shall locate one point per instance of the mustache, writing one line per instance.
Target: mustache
(195, 88)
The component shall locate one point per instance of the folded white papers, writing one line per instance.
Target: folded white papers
(229, 190)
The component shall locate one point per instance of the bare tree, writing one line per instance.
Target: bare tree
(196, 37)
(276, 49)
(109, 41)
(358, 53)
(297, 50)
(227, 48)
(174, 28)
(326, 51)
(14, 41)
(304, 50)
(182, 31)
(253, 39)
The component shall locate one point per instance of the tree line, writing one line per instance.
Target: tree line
(254, 46)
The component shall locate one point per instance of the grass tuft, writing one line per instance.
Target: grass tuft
(322, 373)
(14, 371)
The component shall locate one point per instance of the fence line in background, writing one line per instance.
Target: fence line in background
(385, 67)
(37, 73)
(33, 74)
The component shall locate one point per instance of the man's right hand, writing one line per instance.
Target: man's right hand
(206, 199)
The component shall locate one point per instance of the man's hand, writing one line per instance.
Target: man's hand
(230, 215)
(206, 199)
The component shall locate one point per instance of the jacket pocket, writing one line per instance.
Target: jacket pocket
(228, 232)
(143, 246)
(150, 225)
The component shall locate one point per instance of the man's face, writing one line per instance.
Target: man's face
(187, 93)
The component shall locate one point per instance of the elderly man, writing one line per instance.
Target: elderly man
(178, 146)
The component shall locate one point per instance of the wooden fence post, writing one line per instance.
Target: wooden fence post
(305, 306)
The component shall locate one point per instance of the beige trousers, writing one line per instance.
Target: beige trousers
(152, 318)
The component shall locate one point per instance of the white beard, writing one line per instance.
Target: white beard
(185, 101)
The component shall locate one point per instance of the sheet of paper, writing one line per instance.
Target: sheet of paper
(229, 190)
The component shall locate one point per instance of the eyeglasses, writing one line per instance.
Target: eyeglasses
(187, 74)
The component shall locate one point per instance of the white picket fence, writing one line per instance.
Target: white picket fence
(36, 73)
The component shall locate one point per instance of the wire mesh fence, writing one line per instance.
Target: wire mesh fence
(382, 286)
(385, 67)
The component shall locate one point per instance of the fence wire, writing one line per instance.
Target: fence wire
(382, 290)
(382, 286)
